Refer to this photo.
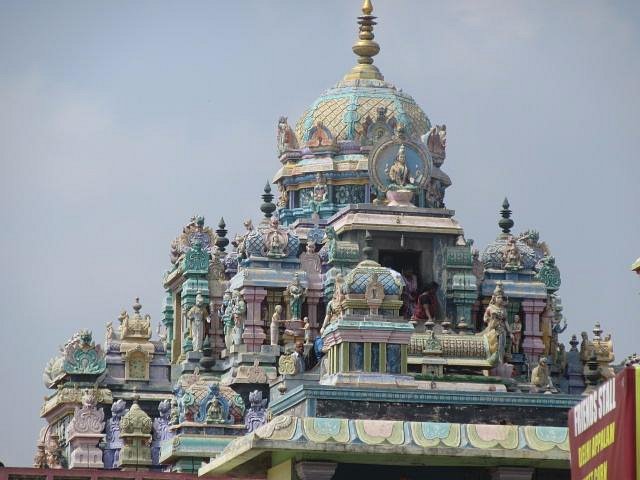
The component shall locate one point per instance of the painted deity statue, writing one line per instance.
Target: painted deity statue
(334, 306)
(517, 334)
(296, 297)
(399, 172)
(495, 318)
(196, 317)
(214, 411)
(319, 195)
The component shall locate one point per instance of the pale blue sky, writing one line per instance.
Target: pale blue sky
(119, 120)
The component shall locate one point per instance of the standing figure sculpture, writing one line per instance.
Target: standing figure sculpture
(296, 297)
(196, 317)
(275, 325)
(399, 172)
(161, 431)
(226, 315)
(239, 310)
(516, 334)
(437, 140)
(113, 442)
(495, 317)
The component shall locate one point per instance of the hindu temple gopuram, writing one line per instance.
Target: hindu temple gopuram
(352, 330)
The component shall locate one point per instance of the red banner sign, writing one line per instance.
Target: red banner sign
(602, 431)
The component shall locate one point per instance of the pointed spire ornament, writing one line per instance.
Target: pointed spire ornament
(367, 250)
(268, 207)
(221, 240)
(505, 223)
(365, 47)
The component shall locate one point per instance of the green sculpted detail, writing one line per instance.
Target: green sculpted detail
(549, 273)
(196, 258)
(82, 356)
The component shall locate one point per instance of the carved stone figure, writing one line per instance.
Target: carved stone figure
(286, 138)
(196, 317)
(256, 416)
(40, 458)
(174, 417)
(398, 173)
(53, 452)
(437, 140)
(239, 310)
(161, 431)
(540, 378)
(512, 256)
(214, 411)
(374, 294)
(109, 335)
(516, 334)
(310, 260)
(275, 325)
(283, 196)
(113, 441)
(296, 295)
(319, 194)
(334, 306)
(307, 331)
(226, 316)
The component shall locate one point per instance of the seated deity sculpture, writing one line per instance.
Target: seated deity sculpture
(540, 376)
(399, 174)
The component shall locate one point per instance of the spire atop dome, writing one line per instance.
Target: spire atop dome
(365, 48)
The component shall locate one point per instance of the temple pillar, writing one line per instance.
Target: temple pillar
(512, 473)
(315, 470)
(313, 298)
(253, 335)
(532, 344)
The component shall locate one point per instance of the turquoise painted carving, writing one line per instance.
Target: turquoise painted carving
(549, 273)
(196, 258)
(82, 356)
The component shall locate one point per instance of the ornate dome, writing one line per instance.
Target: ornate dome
(349, 108)
(357, 279)
(363, 98)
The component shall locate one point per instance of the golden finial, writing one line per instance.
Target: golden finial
(365, 48)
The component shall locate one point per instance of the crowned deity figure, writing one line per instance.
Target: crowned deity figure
(319, 194)
(495, 318)
(196, 317)
(296, 296)
(399, 171)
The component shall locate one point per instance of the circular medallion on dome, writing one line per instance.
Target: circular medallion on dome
(399, 164)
